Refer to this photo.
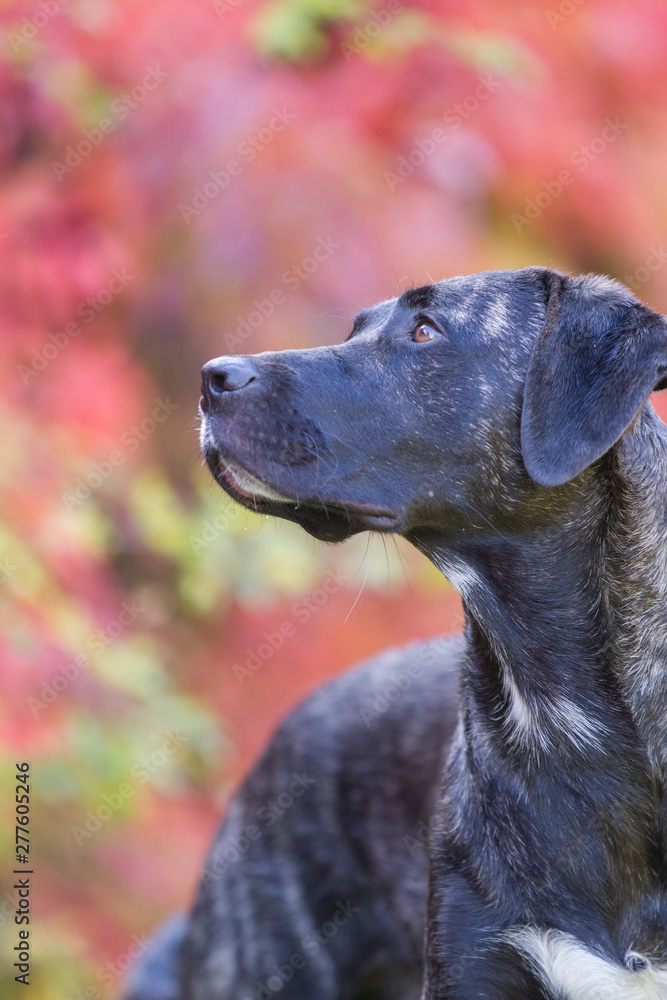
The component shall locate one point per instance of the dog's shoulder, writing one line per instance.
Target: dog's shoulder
(403, 701)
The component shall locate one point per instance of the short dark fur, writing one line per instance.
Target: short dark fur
(518, 451)
(354, 843)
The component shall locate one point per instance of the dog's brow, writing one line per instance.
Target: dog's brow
(360, 321)
(418, 298)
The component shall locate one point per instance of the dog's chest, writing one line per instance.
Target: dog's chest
(570, 971)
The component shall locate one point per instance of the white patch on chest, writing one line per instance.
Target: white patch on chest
(571, 972)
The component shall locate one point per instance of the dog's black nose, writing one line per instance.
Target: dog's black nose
(225, 375)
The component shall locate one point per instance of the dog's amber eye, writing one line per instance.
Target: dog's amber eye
(425, 332)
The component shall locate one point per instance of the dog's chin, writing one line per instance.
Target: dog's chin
(326, 520)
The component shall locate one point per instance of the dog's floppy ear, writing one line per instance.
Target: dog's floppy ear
(599, 355)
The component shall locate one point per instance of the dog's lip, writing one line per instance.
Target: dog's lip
(378, 520)
(248, 486)
(244, 485)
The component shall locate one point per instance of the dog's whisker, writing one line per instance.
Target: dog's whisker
(479, 514)
(324, 507)
(402, 563)
(361, 589)
(334, 314)
(386, 558)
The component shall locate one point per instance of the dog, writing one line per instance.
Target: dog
(317, 883)
(501, 423)
(346, 788)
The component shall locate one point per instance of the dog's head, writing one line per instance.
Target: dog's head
(470, 394)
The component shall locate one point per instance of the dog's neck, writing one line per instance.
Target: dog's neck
(636, 577)
(567, 625)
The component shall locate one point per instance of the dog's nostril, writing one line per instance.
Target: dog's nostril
(219, 382)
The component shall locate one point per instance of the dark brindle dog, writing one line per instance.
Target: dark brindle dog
(320, 892)
(499, 422)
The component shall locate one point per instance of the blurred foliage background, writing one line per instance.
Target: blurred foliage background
(186, 179)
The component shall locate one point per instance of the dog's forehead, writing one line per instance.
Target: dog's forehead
(486, 307)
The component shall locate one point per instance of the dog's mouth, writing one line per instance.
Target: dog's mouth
(328, 520)
(246, 486)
